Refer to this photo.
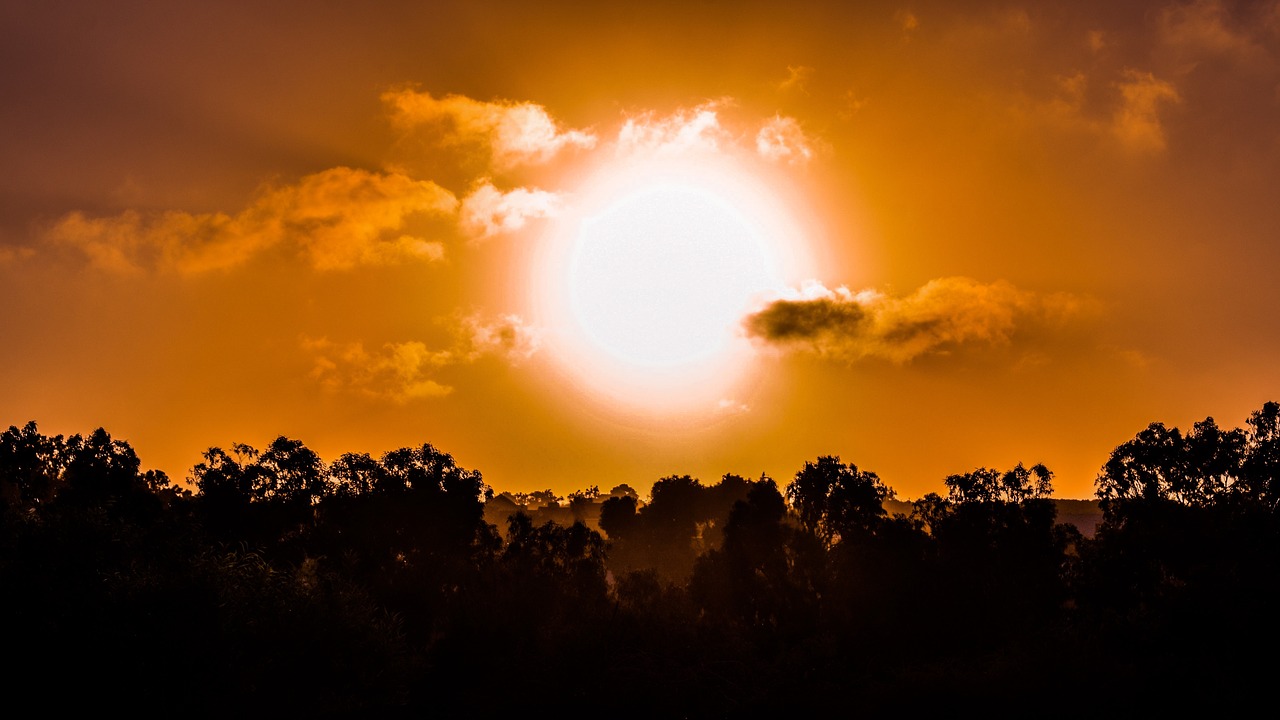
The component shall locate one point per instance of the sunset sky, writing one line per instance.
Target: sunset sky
(583, 244)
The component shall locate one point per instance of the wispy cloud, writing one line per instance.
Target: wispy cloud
(514, 133)
(797, 79)
(696, 129)
(398, 372)
(507, 336)
(10, 255)
(704, 130)
(1206, 28)
(1096, 40)
(343, 218)
(404, 372)
(488, 211)
(782, 140)
(338, 219)
(1129, 115)
(1137, 119)
(943, 315)
(907, 21)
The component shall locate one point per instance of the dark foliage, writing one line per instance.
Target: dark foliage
(374, 586)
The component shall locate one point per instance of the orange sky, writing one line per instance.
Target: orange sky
(1012, 232)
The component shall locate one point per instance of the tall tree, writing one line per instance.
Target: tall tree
(836, 501)
(990, 485)
(1261, 465)
(31, 466)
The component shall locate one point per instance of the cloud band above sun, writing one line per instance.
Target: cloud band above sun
(509, 133)
(342, 219)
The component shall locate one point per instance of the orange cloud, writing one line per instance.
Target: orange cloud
(514, 133)
(1133, 119)
(398, 372)
(507, 336)
(1206, 27)
(797, 79)
(338, 218)
(703, 129)
(488, 211)
(907, 22)
(698, 129)
(782, 140)
(1096, 40)
(342, 218)
(941, 316)
(405, 372)
(10, 255)
(1136, 122)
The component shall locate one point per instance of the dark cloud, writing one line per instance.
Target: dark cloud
(942, 315)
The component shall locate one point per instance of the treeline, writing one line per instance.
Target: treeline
(373, 586)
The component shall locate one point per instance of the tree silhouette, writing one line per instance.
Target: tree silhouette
(1260, 468)
(31, 467)
(668, 527)
(618, 516)
(291, 473)
(354, 475)
(1189, 529)
(836, 501)
(1159, 463)
(764, 575)
(990, 485)
(374, 586)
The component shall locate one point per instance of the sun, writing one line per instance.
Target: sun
(646, 282)
(661, 277)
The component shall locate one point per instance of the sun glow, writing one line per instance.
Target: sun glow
(646, 282)
(661, 277)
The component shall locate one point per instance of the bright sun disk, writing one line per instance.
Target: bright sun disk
(645, 283)
(662, 277)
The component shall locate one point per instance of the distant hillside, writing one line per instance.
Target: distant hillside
(1084, 514)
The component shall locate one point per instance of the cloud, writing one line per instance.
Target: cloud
(1136, 122)
(907, 22)
(694, 130)
(1135, 359)
(1131, 118)
(782, 140)
(407, 371)
(338, 218)
(514, 133)
(1206, 28)
(728, 406)
(343, 218)
(702, 129)
(1096, 40)
(938, 318)
(1014, 21)
(1065, 108)
(852, 104)
(10, 255)
(117, 244)
(507, 336)
(398, 372)
(1069, 100)
(488, 211)
(797, 79)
